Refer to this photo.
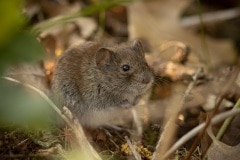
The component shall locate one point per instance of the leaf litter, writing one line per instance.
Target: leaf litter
(174, 52)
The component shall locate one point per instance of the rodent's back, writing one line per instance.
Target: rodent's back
(70, 72)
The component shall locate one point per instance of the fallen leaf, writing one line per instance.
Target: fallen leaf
(221, 151)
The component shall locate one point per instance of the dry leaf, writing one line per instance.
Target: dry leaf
(158, 22)
(221, 151)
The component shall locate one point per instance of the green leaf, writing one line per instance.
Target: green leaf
(11, 19)
(19, 106)
(24, 47)
(87, 11)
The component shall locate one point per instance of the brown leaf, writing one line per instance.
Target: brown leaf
(158, 22)
(221, 151)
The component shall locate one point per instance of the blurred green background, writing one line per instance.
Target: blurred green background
(17, 45)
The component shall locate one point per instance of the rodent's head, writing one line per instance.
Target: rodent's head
(125, 69)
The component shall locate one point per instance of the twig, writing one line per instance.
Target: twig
(213, 113)
(191, 85)
(21, 143)
(43, 95)
(170, 126)
(48, 154)
(218, 118)
(211, 17)
(77, 129)
(32, 155)
(135, 153)
(137, 122)
(202, 132)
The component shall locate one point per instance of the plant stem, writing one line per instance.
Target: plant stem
(203, 38)
(227, 122)
(62, 19)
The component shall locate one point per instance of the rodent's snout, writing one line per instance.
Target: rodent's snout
(146, 78)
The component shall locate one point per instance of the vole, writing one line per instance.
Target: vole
(92, 79)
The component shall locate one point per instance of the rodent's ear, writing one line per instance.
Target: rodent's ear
(103, 56)
(137, 46)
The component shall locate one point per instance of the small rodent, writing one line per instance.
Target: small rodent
(91, 79)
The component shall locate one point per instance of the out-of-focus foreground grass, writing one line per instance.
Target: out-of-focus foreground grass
(18, 105)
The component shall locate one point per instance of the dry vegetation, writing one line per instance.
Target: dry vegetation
(192, 111)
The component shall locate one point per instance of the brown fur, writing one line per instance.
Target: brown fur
(89, 79)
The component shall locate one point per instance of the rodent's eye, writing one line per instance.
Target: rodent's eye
(125, 67)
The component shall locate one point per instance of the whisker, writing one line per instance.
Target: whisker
(161, 80)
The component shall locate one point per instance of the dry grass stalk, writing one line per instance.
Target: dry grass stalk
(84, 146)
(169, 131)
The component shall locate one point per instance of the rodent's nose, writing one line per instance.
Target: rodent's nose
(145, 77)
(146, 80)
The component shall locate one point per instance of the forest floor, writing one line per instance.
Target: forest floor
(195, 56)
